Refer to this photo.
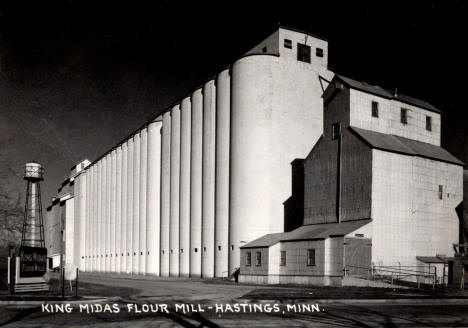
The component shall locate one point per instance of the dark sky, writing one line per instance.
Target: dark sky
(77, 77)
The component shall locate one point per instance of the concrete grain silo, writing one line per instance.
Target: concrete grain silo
(182, 193)
(184, 201)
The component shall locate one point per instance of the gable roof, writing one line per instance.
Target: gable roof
(384, 93)
(405, 146)
(309, 232)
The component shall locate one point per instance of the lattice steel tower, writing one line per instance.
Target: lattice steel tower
(33, 225)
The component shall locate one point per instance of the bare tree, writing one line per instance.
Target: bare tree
(11, 217)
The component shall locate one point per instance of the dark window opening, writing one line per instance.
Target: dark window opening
(232, 247)
(441, 191)
(204, 249)
(219, 248)
(288, 43)
(319, 52)
(404, 116)
(264, 49)
(310, 257)
(171, 251)
(195, 250)
(303, 53)
(428, 123)
(248, 259)
(283, 258)
(335, 131)
(258, 259)
(181, 250)
(141, 253)
(163, 251)
(375, 109)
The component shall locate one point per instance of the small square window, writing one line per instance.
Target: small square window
(141, 253)
(258, 259)
(310, 257)
(288, 43)
(375, 109)
(303, 53)
(404, 116)
(441, 191)
(319, 52)
(283, 258)
(264, 49)
(428, 123)
(335, 131)
(195, 250)
(248, 259)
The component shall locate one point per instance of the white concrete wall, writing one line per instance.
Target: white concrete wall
(184, 214)
(208, 178)
(136, 204)
(175, 190)
(80, 222)
(93, 225)
(130, 197)
(165, 193)
(85, 243)
(123, 210)
(118, 209)
(107, 222)
(69, 236)
(223, 113)
(196, 183)
(112, 225)
(143, 201)
(100, 239)
(153, 198)
(409, 219)
(278, 117)
(389, 118)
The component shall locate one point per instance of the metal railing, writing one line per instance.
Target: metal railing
(396, 274)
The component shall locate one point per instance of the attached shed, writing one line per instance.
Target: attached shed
(312, 254)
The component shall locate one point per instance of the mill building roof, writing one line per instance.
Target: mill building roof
(397, 144)
(309, 232)
(385, 93)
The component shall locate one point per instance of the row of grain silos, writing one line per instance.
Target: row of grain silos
(149, 205)
(180, 196)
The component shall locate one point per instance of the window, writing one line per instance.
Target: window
(258, 259)
(310, 257)
(264, 49)
(441, 191)
(404, 116)
(283, 258)
(248, 259)
(195, 250)
(375, 109)
(288, 43)
(219, 248)
(232, 247)
(204, 249)
(335, 131)
(428, 123)
(181, 250)
(319, 52)
(303, 53)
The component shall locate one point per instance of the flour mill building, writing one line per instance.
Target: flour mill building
(211, 175)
